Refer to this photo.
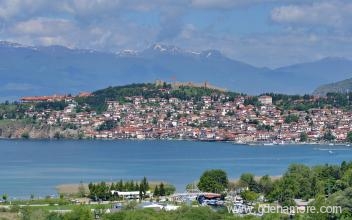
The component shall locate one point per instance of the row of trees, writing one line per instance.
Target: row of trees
(327, 184)
(163, 190)
(102, 191)
(306, 102)
(333, 183)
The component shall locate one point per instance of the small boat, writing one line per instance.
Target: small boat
(331, 152)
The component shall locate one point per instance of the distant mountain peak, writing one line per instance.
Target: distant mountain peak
(211, 54)
(335, 59)
(9, 44)
(127, 52)
(166, 48)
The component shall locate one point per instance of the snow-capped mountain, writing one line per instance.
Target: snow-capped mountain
(27, 70)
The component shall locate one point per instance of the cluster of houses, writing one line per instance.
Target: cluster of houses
(211, 119)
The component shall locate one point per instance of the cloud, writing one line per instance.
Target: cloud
(43, 26)
(331, 14)
(230, 4)
(224, 3)
(113, 25)
(270, 49)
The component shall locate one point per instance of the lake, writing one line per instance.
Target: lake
(36, 167)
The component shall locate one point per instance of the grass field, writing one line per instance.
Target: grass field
(8, 216)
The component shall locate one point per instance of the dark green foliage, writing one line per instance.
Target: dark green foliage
(349, 137)
(306, 102)
(148, 90)
(169, 189)
(252, 101)
(164, 189)
(247, 180)
(13, 111)
(156, 191)
(262, 127)
(99, 191)
(161, 189)
(291, 118)
(302, 182)
(328, 136)
(266, 185)
(249, 196)
(213, 181)
(196, 93)
(303, 137)
(143, 188)
(69, 126)
(57, 135)
(25, 135)
(102, 191)
(57, 106)
(107, 125)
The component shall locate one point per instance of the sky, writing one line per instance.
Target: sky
(270, 33)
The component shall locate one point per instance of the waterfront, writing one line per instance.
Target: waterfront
(36, 167)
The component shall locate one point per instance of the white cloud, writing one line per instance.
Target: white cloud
(100, 25)
(335, 14)
(43, 26)
(224, 3)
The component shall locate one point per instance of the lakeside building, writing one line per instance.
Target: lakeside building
(205, 119)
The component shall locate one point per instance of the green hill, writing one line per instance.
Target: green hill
(344, 86)
(149, 90)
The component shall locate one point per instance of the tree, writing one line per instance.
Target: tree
(291, 118)
(57, 135)
(213, 181)
(81, 190)
(303, 137)
(349, 136)
(249, 196)
(156, 191)
(4, 197)
(107, 125)
(328, 136)
(247, 180)
(265, 184)
(169, 189)
(162, 189)
(143, 187)
(25, 135)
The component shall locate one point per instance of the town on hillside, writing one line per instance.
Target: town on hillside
(192, 112)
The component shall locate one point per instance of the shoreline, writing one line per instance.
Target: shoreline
(264, 143)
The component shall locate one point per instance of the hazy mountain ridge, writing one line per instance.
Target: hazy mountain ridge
(344, 86)
(57, 69)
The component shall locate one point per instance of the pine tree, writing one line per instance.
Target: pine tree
(161, 189)
(156, 191)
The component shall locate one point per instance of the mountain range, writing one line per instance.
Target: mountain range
(27, 70)
(344, 86)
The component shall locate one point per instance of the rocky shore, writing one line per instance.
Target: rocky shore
(19, 129)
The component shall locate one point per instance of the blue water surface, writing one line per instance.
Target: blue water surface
(37, 167)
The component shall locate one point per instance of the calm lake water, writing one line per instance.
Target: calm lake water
(36, 167)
